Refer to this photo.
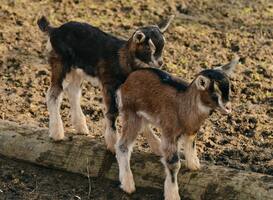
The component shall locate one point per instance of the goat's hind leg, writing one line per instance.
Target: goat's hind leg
(73, 90)
(111, 114)
(171, 162)
(53, 99)
(153, 140)
(130, 127)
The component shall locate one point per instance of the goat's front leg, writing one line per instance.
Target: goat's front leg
(171, 162)
(130, 127)
(192, 161)
(111, 114)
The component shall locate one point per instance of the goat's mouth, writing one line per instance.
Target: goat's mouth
(152, 64)
(225, 109)
(156, 64)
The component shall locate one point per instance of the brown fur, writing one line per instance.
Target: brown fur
(168, 105)
(110, 64)
(177, 108)
(56, 73)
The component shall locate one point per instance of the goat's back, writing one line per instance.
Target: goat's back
(84, 43)
(146, 89)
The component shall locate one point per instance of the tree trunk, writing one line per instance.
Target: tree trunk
(89, 157)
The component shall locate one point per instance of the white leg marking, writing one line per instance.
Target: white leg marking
(171, 190)
(72, 86)
(56, 130)
(77, 116)
(110, 136)
(119, 99)
(126, 178)
(192, 161)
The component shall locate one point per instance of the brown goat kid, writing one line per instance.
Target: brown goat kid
(151, 96)
(81, 51)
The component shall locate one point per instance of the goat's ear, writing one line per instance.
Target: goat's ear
(163, 26)
(202, 82)
(228, 68)
(138, 37)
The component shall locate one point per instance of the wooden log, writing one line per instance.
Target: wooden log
(80, 154)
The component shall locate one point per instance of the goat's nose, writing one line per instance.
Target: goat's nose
(160, 63)
(227, 108)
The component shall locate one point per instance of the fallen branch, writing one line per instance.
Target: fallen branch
(89, 157)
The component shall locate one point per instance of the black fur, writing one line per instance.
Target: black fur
(84, 46)
(123, 148)
(214, 75)
(174, 159)
(172, 175)
(166, 78)
(193, 144)
(153, 33)
(221, 79)
(81, 45)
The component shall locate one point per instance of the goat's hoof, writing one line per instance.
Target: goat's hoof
(171, 191)
(81, 128)
(128, 189)
(128, 184)
(56, 137)
(83, 131)
(110, 140)
(172, 196)
(111, 149)
(194, 165)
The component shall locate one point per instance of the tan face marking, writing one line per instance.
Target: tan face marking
(223, 108)
(152, 46)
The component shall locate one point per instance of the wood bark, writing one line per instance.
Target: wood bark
(83, 155)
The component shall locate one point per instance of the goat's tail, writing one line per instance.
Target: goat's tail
(44, 25)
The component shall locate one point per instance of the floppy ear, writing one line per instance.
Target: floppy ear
(138, 37)
(163, 26)
(228, 68)
(202, 82)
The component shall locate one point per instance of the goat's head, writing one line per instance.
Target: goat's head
(214, 86)
(147, 44)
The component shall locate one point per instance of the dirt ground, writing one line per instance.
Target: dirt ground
(205, 33)
(30, 182)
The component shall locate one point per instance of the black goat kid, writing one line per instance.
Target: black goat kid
(80, 51)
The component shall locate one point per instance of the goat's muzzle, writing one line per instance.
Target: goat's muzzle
(225, 109)
(157, 64)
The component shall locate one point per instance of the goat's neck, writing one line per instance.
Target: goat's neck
(128, 60)
(191, 108)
